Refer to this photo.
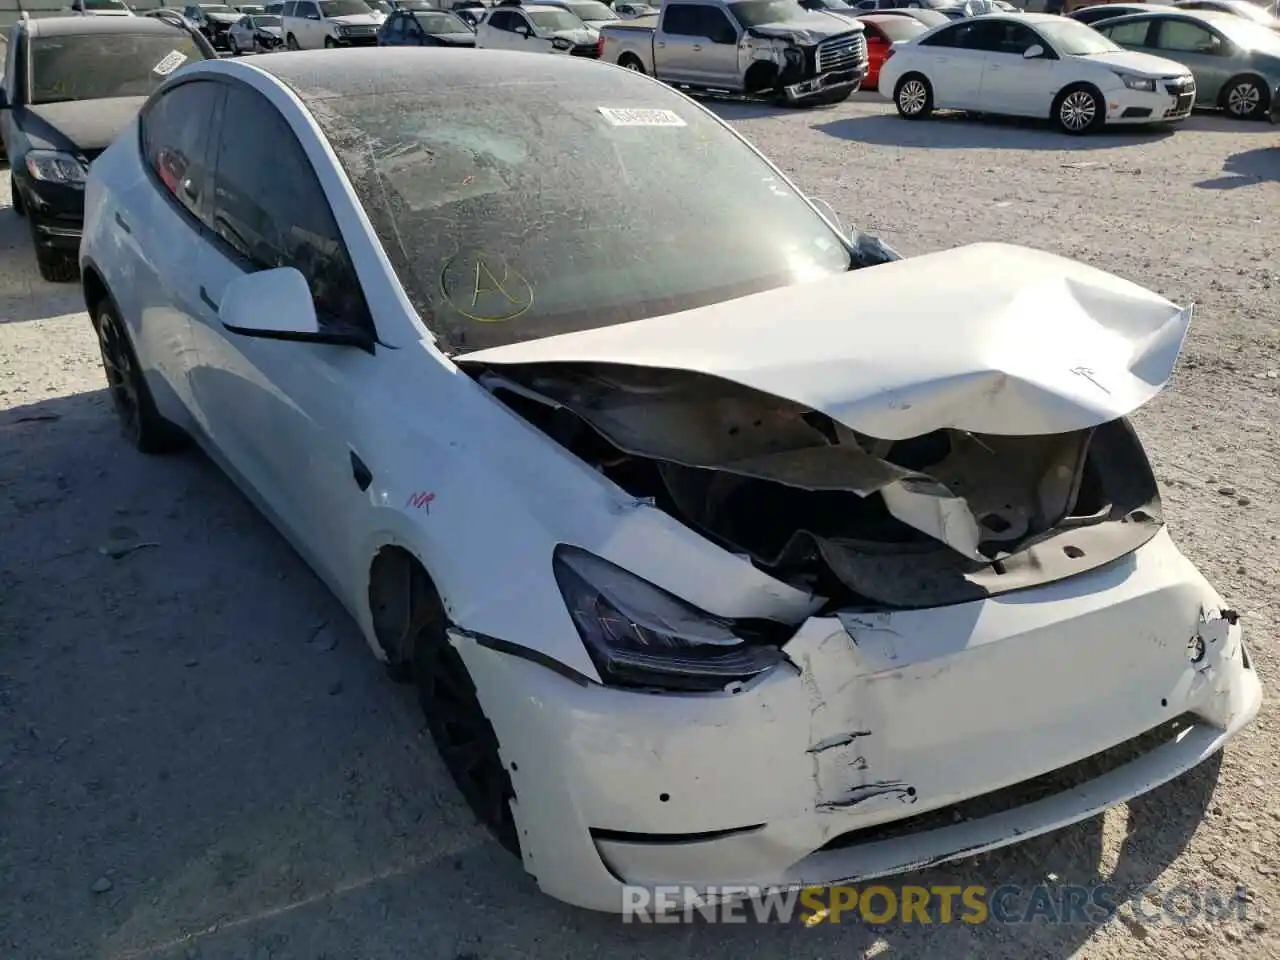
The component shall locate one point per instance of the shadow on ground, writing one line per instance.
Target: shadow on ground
(1246, 169)
(963, 131)
(191, 725)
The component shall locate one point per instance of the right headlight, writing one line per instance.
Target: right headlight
(53, 166)
(1134, 82)
(638, 635)
(343, 31)
(561, 43)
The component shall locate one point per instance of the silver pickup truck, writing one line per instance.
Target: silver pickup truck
(755, 48)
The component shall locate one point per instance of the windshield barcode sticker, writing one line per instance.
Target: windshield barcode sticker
(635, 117)
(172, 61)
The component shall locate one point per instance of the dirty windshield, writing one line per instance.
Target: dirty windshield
(528, 209)
(344, 8)
(1074, 39)
(85, 68)
(437, 21)
(591, 10)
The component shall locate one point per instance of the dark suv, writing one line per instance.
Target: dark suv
(71, 84)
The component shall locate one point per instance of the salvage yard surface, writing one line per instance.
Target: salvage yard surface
(199, 757)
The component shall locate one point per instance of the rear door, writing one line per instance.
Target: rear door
(679, 43)
(953, 60)
(158, 222)
(1206, 52)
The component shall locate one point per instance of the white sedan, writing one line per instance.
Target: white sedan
(702, 574)
(1035, 65)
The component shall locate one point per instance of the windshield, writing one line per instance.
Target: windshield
(251, 9)
(1250, 12)
(343, 8)
(527, 209)
(1247, 34)
(84, 68)
(554, 20)
(753, 13)
(440, 22)
(381, 6)
(1071, 38)
(901, 28)
(100, 5)
(412, 5)
(266, 20)
(592, 11)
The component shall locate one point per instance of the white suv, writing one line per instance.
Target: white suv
(311, 24)
(536, 28)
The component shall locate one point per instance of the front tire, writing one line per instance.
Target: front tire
(913, 97)
(329, 43)
(235, 47)
(292, 42)
(1079, 110)
(55, 266)
(1245, 99)
(459, 728)
(131, 398)
(15, 195)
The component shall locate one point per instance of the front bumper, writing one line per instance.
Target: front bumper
(825, 83)
(370, 40)
(56, 213)
(1165, 105)
(883, 718)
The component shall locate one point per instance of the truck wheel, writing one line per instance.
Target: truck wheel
(631, 62)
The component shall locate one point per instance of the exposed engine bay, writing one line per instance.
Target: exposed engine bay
(947, 517)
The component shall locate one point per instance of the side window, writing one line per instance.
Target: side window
(175, 139)
(290, 9)
(988, 37)
(269, 207)
(309, 10)
(519, 20)
(500, 20)
(395, 28)
(680, 20)
(1015, 39)
(950, 37)
(1129, 34)
(1182, 36)
(714, 25)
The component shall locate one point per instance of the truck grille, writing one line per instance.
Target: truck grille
(360, 30)
(845, 52)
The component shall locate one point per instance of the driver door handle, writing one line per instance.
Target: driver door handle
(697, 46)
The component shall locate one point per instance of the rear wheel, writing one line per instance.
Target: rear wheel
(913, 97)
(631, 62)
(235, 46)
(1245, 99)
(131, 398)
(291, 42)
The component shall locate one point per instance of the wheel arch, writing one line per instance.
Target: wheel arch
(95, 289)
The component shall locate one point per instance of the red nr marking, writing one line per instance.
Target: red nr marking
(421, 501)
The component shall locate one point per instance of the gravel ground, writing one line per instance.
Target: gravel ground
(199, 758)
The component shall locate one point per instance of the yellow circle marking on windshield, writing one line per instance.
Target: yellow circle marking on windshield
(484, 288)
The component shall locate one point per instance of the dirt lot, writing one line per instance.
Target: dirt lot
(199, 757)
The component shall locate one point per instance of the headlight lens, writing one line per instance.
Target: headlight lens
(638, 635)
(1137, 83)
(54, 167)
(794, 55)
(560, 43)
(343, 31)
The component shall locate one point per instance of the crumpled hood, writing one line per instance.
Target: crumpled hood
(988, 338)
(270, 31)
(84, 125)
(814, 27)
(358, 19)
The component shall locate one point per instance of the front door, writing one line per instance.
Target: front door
(284, 416)
(1206, 53)
(1012, 83)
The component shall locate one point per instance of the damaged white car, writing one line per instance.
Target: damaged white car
(722, 549)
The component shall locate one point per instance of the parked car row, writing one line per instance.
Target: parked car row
(1085, 73)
